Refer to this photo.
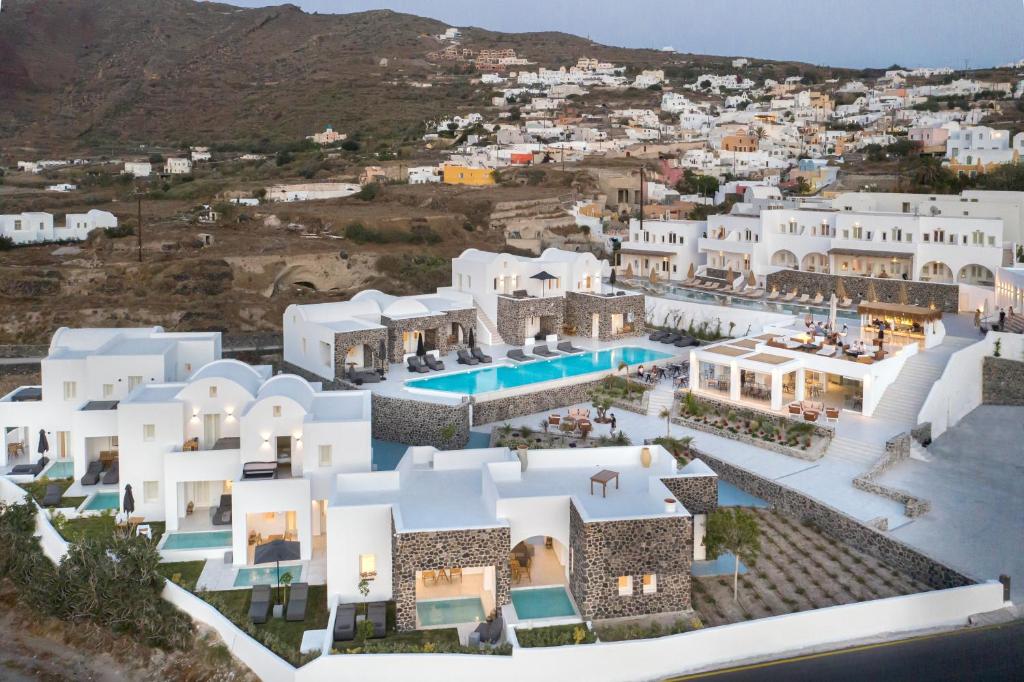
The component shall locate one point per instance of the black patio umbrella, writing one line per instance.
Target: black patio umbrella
(44, 444)
(128, 504)
(276, 551)
(543, 276)
(382, 353)
(472, 338)
(420, 350)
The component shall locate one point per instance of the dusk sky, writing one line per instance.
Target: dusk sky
(854, 33)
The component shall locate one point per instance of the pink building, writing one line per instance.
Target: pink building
(931, 139)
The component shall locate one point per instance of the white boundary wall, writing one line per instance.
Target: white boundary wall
(958, 391)
(657, 309)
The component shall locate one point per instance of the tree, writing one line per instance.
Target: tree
(731, 529)
(350, 145)
(666, 414)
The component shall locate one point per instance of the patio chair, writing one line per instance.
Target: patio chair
(543, 351)
(795, 409)
(490, 631)
(480, 355)
(567, 347)
(414, 364)
(464, 358)
(810, 416)
(222, 514)
(92, 473)
(112, 475)
(298, 593)
(52, 496)
(832, 414)
(827, 351)
(259, 606)
(453, 573)
(518, 355)
(430, 576)
(754, 293)
(433, 363)
(554, 419)
(377, 613)
(30, 469)
(345, 623)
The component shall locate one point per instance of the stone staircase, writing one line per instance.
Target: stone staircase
(847, 449)
(659, 397)
(903, 399)
(1015, 324)
(493, 338)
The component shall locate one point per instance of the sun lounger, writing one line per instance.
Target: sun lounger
(377, 613)
(517, 355)
(789, 297)
(567, 347)
(222, 514)
(433, 363)
(818, 298)
(416, 365)
(480, 355)
(259, 606)
(490, 631)
(712, 286)
(846, 303)
(363, 376)
(31, 469)
(297, 595)
(754, 293)
(543, 351)
(52, 496)
(685, 341)
(345, 623)
(827, 351)
(252, 470)
(658, 335)
(92, 473)
(112, 475)
(464, 358)
(671, 338)
(774, 295)
(803, 298)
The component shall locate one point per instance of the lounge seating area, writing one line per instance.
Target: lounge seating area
(480, 356)
(31, 469)
(345, 620)
(222, 513)
(259, 470)
(673, 339)
(96, 473)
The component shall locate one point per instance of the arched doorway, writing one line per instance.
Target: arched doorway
(936, 271)
(814, 262)
(976, 274)
(785, 259)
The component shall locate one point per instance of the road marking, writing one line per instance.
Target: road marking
(835, 652)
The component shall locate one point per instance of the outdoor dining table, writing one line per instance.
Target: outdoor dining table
(604, 476)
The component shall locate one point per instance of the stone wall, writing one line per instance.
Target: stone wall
(441, 326)
(699, 494)
(580, 308)
(514, 312)
(434, 550)
(945, 297)
(417, 422)
(1002, 381)
(718, 273)
(841, 527)
(502, 409)
(345, 340)
(604, 550)
(897, 449)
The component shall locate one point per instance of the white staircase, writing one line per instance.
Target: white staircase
(903, 399)
(854, 451)
(659, 398)
(490, 335)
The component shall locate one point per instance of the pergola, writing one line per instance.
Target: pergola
(902, 319)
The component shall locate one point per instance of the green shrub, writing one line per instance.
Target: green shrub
(618, 633)
(556, 635)
(119, 231)
(6, 243)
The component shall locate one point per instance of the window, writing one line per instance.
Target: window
(149, 432)
(368, 566)
(188, 367)
(134, 381)
(650, 583)
(150, 491)
(326, 458)
(108, 391)
(17, 225)
(213, 391)
(70, 390)
(325, 352)
(277, 410)
(625, 585)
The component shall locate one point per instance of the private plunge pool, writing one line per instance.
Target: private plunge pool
(198, 540)
(103, 501)
(542, 602)
(434, 612)
(501, 377)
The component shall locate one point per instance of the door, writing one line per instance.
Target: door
(211, 430)
(63, 444)
(595, 325)
(700, 553)
(284, 448)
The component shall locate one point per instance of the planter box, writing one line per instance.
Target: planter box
(782, 449)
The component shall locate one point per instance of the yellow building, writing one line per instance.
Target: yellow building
(467, 175)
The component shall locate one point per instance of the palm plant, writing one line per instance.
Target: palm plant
(666, 414)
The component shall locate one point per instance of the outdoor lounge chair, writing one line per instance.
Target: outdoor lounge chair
(490, 631)
(297, 595)
(685, 341)
(567, 347)
(259, 607)
(222, 514)
(543, 351)
(671, 338)
(774, 295)
(804, 298)
(846, 303)
(377, 613)
(433, 363)
(464, 358)
(30, 469)
(789, 297)
(517, 355)
(52, 496)
(363, 376)
(345, 623)
(832, 414)
(253, 470)
(92, 473)
(658, 335)
(818, 298)
(484, 358)
(416, 365)
(112, 475)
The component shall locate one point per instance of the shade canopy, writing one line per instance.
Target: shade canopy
(472, 338)
(543, 275)
(128, 503)
(276, 550)
(420, 348)
(912, 312)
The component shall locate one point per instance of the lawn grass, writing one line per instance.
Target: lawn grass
(99, 527)
(37, 489)
(280, 636)
(187, 571)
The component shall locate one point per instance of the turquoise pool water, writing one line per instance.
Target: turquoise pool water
(198, 540)
(497, 378)
(542, 602)
(450, 611)
(60, 470)
(101, 501)
(731, 496)
(265, 575)
(723, 565)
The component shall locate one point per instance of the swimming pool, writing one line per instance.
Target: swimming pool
(506, 376)
(60, 470)
(450, 611)
(103, 501)
(716, 298)
(198, 540)
(542, 602)
(265, 575)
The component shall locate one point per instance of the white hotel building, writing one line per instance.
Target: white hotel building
(668, 247)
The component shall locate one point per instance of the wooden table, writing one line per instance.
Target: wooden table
(604, 476)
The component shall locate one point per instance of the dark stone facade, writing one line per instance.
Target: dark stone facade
(433, 550)
(418, 422)
(502, 409)
(699, 494)
(897, 449)
(514, 312)
(436, 328)
(345, 340)
(1002, 381)
(843, 528)
(604, 550)
(580, 308)
(945, 297)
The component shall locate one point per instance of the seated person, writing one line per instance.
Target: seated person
(640, 371)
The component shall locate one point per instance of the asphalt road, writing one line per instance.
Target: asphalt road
(986, 653)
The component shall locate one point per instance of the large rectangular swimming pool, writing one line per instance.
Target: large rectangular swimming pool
(505, 376)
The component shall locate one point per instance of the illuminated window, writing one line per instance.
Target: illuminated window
(625, 585)
(213, 391)
(368, 566)
(650, 583)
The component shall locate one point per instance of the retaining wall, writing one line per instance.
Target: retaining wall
(502, 409)
(1002, 381)
(897, 449)
(945, 297)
